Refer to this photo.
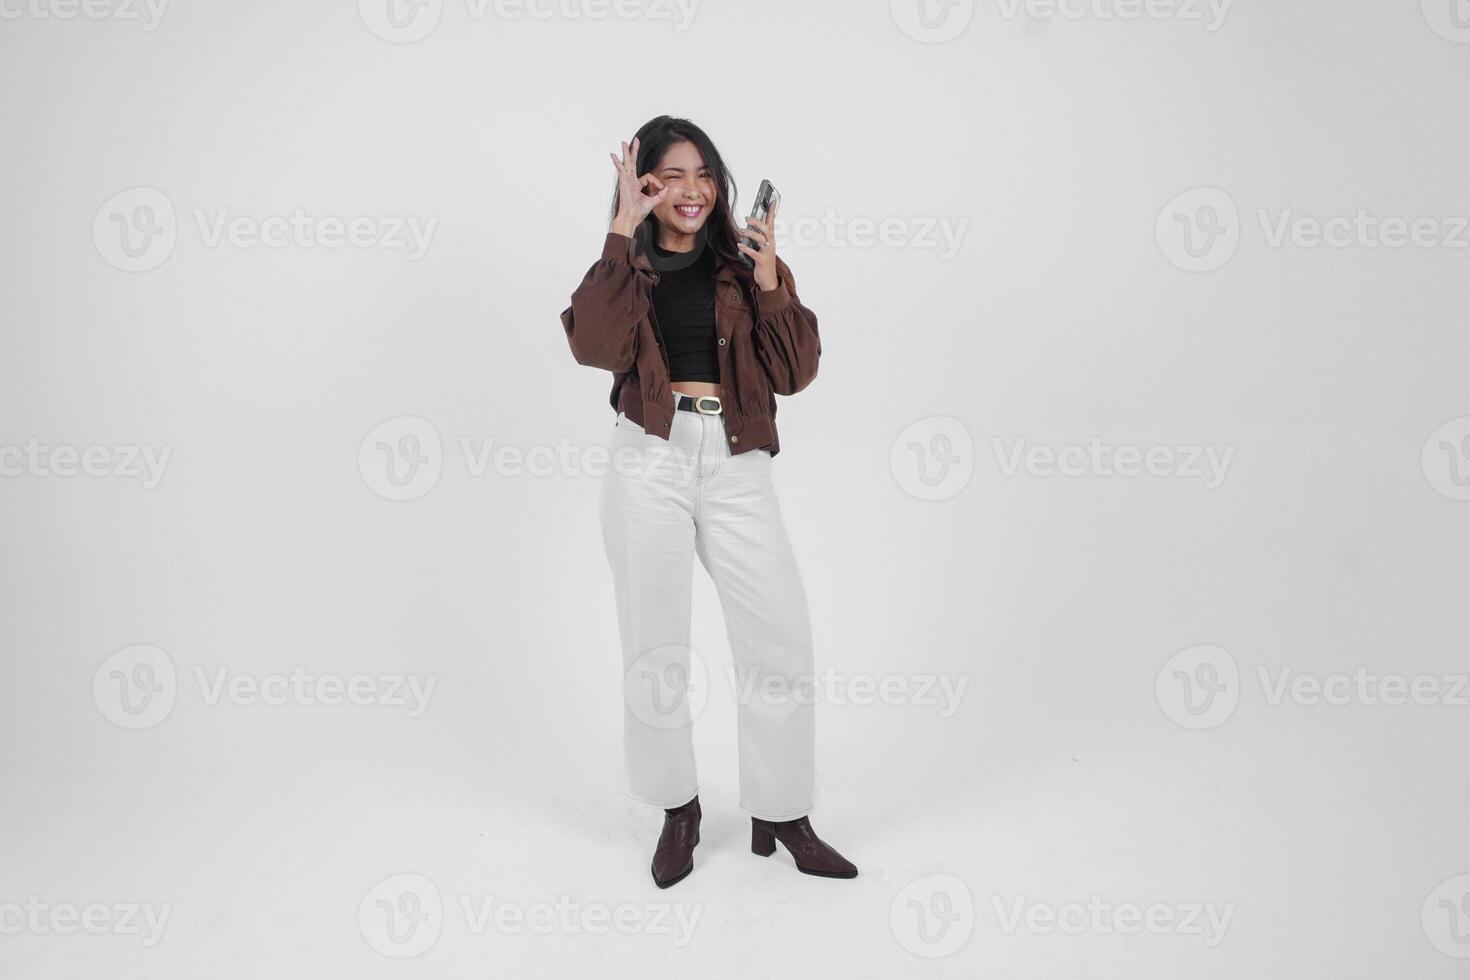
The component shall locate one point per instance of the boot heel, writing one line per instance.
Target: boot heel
(762, 842)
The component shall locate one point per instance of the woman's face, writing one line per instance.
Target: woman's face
(691, 186)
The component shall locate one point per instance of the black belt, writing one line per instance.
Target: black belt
(702, 404)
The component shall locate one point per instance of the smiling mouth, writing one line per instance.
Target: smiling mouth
(689, 210)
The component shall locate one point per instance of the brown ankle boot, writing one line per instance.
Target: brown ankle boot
(812, 856)
(673, 859)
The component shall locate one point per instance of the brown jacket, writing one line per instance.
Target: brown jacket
(771, 349)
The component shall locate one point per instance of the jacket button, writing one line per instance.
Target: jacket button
(655, 277)
(734, 438)
(722, 341)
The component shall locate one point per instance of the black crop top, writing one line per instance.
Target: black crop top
(684, 307)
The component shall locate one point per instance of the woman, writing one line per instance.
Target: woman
(699, 345)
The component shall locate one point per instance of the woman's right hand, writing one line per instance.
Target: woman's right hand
(633, 204)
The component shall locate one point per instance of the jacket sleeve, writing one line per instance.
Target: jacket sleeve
(786, 340)
(602, 322)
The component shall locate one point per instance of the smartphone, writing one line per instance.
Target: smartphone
(766, 198)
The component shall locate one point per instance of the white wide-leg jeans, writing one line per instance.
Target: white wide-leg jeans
(662, 503)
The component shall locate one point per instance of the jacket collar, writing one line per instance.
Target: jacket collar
(642, 250)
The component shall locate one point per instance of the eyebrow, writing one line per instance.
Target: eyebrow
(664, 170)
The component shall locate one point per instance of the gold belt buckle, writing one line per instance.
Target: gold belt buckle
(699, 405)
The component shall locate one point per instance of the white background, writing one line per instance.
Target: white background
(1060, 139)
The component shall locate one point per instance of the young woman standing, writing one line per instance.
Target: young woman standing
(699, 345)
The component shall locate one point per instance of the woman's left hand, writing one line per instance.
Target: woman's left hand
(764, 254)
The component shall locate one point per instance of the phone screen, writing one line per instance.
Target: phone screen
(766, 199)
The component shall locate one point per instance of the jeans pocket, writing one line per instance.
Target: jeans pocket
(626, 424)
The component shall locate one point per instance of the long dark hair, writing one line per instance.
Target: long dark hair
(654, 139)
